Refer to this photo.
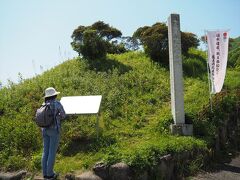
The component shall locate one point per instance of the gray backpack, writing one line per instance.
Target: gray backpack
(45, 116)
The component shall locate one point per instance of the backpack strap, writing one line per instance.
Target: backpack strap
(52, 105)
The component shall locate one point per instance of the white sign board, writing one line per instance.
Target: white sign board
(81, 104)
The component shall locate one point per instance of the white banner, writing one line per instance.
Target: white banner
(217, 58)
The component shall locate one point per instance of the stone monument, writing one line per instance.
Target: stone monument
(176, 77)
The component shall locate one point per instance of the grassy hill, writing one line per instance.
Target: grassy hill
(134, 116)
(234, 53)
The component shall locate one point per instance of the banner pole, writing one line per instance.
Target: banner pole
(209, 81)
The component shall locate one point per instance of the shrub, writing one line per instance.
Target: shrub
(194, 67)
(36, 161)
(16, 162)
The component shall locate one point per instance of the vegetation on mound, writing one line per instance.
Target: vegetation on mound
(234, 53)
(134, 119)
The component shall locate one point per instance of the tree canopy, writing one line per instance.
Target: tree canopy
(155, 41)
(96, 40)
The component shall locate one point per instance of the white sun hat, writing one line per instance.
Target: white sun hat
(50, 92)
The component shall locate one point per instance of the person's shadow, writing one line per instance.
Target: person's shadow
(228, 167)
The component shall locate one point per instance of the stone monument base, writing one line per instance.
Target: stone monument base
(182, 129)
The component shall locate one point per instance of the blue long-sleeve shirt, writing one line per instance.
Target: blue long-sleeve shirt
(59, 114)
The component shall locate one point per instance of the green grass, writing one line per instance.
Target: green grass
(234, 53)
(134, 119)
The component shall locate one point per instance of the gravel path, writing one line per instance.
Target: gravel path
(225, 171)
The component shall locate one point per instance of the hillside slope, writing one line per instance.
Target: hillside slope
(234, 53)
(134, 116)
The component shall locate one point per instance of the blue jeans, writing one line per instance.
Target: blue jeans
(50, 144)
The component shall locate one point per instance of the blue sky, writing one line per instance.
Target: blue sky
(35, 35)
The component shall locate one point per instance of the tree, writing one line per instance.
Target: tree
(96, 40)
(130, 43)
(93, 46)
(105, 31)
(188, 40)
(155, 41)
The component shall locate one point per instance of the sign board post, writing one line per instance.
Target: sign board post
(83, 105)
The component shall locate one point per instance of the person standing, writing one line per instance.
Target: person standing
(51, 134)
